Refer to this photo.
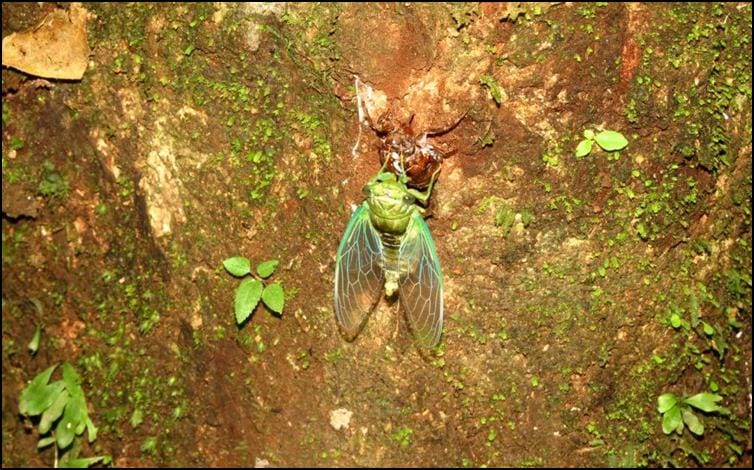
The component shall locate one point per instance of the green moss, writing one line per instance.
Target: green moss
(504, 218)
(53, 184)
(403, 436)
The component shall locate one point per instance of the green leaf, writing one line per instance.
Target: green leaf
(266, 269)
(54, 412)
(642, 231)
(247, 298)
(708, 329)
(675, 321)
(584, 148)
(80, 426)
(149, 445)
(71, 379)
(666, 401)
(45, 441)
(65, 431)
(43, 377)
(273, 297)
(692, 421)
(672, 421)
(720, 345)
(34, 343)
(495, 91)
(38, 396)
(74, 418)
(706, 402)
(80, 463)
(91, 429)
(589, 134)
(237, 266)
(487, 139)
(136, 418)
(611, 141)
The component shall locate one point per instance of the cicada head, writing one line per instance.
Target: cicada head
(390, 203)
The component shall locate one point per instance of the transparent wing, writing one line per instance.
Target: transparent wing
(358, 272)
(421, 289)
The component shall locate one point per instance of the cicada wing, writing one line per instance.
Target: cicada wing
(358, 272)
(421, 288)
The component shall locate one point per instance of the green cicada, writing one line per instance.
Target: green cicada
(387, 246)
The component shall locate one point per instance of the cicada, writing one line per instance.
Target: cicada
(387, 247)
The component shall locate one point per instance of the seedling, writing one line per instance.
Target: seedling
(494, 88)
(252, 289)
(609, 141)
(64, 415)
(34, 343)
(676, 412)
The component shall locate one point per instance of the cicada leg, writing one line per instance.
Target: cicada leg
(424, 197)
(382, 169)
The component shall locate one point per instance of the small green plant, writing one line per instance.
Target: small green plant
(16, 143)
(679, 411)
(464, 14)
(403, 436)
(53, 185)
(34, 343)
(64, 415)
(495, 91)
(505, 218)
(609, 141)
(252, 289)
(487, 139)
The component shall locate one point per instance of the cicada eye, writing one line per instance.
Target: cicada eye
(367, 192)
(409, 199)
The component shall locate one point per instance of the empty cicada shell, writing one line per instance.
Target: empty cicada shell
(412, 157)
(407, 155)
